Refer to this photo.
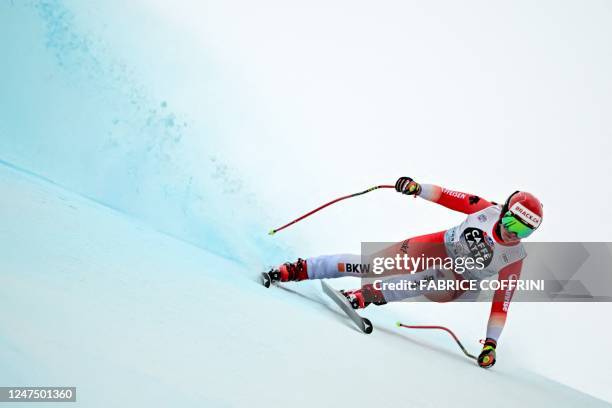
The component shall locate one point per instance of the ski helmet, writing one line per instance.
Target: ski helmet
(522, 213)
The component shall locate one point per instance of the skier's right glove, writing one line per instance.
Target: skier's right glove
(486, 359)
(408, 186)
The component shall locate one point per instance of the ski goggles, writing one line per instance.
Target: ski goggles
(514, 224)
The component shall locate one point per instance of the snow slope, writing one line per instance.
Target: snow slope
(133, 317)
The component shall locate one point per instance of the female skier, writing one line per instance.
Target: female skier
(491, 233)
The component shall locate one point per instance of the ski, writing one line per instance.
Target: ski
(364, 324)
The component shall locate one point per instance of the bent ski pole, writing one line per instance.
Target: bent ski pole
(274, 231)
(399, 324)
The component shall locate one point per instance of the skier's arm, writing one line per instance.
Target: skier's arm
(501, 301)
(497, 318)
(455, 200)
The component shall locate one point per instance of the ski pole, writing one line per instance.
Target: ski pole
(275, 230)
(449, 331)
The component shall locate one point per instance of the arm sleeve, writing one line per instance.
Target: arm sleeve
(455, 200)
(501, 301)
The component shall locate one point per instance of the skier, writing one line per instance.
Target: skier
(491, 232)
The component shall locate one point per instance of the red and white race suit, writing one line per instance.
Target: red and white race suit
(475, 237)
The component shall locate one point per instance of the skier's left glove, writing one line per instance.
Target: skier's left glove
(486, 359)
(408, 186)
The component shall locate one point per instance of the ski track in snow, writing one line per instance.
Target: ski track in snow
(97, 300)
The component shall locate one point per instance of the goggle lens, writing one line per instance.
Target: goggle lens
(512, 224)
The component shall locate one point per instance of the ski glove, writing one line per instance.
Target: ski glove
(486, 359)
(408, 186)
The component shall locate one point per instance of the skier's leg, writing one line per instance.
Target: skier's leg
(335, 266)
(399, 287)
(393, 289)
(320, 267)
(426, 249)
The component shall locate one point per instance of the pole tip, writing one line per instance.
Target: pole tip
(398, 324)
(272, 232)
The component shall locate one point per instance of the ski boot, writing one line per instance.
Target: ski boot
(361, 298)
(287, 272)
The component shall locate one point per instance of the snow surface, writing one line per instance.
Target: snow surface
(132, 317)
